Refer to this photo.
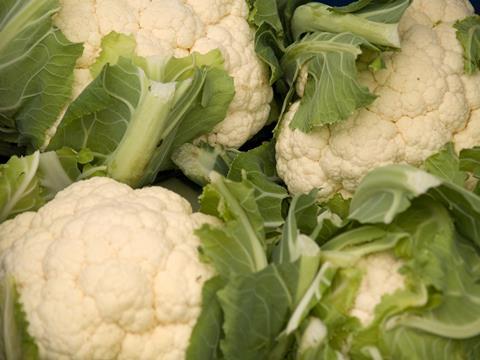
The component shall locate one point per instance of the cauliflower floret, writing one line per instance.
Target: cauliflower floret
(179, 28)
(380, 277)
(424, 101)
(107, 272)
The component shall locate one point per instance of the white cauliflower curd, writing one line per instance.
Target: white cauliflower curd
(424, 101)
(107, 272)
(179, 28)
(380, 277)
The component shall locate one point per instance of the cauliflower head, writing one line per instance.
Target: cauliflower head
(107, 272)
(424, 101)
(380, 277)
(179, 28)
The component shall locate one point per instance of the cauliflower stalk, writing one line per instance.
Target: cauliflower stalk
(424, 100)
(107, 272)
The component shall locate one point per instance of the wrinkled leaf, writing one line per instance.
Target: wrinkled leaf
(36, 71)
(332, 92)
(468, 34)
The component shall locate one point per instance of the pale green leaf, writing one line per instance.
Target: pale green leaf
(332, 91)
(377, 27)
(446, 165)
(15, 341)
(385, 192)
(114, 46)
(257, 308)
(207, 332)
(239, 245)
(19, 186)
(36, 70)
(258, 166)
(468, 34)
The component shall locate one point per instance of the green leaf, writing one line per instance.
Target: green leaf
(328, 225)
(468, 34)
(332, 91)
(15, 342)
(196, 113)
(388, 191)
(339, 205)
(279, 25)
(206, 335)
(408, 344)
(439, 260)
(331, 220)
(464, 207)
(197, 162)
(258, 163)
(225, 249)
(349, 247)
(376, 23)
(36, 70)
(296, 247)
(435, 314)
(85, 156)
(258, 166)
(339, 300)
(184, 68)
(416, 323)
(99, 117)
(266, 12)
(19, 186)
(57, 170)
(385, 192)
(268, 295)
(109, 118)
(272, 21)
(27, 183)
(315, 293)
(377, 64)
(308, 216)
(293, 245)
(446, 165)
(133, 124)
(239, 245)
(157, 68)
(269, 49)
(114, 46)
(9, 140)
(470, 161)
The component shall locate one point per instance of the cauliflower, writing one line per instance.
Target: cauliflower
(424, 101)
(179, 28)
(380, 277)
(107, 272)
